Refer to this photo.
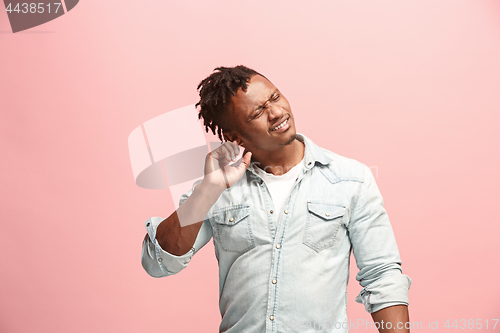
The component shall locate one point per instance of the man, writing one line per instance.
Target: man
(283, 220)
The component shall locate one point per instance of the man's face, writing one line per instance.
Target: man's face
(261, 117)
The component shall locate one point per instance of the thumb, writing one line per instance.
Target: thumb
(245, 162)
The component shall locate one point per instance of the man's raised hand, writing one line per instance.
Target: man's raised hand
(218, 172)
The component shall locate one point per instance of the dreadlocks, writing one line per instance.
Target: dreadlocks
(215, 94)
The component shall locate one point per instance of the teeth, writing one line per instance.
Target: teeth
(280, 125)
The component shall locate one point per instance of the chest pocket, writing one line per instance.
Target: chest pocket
(233, 230)
(323, 223)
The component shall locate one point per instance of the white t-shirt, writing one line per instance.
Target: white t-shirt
(280, 186)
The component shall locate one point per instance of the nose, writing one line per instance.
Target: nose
(275, 111)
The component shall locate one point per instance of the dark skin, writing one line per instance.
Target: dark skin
(254, 114)
(394, 314)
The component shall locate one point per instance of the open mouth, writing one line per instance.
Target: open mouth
(284, 123)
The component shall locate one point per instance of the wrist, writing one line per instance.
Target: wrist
(209, 189)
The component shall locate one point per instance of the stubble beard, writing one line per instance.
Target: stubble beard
(289, 142)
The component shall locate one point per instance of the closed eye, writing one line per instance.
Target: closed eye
(258, 113)
(275, 97)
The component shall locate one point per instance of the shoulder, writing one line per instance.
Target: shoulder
(342, 168)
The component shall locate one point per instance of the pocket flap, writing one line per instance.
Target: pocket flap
(231, 215)
(326, 211)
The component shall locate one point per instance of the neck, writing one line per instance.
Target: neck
(280, 161)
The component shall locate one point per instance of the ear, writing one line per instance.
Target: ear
(233, 136)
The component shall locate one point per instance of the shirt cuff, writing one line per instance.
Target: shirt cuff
(387, 291)
(386, 305)
(168, 263)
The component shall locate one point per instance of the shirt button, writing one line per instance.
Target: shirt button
(271, 211)
(286, 211)
(274, 281)
(147, 225)
(309, 163)
(261, 181)
(296, 178)
(278, 246)
(231, 219)
(160, 259)
(327, 214)
(272, 317)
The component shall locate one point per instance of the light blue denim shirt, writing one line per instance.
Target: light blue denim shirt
(291, 274)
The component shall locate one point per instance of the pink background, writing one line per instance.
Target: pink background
(410, 88)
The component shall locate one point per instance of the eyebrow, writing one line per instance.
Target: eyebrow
(257, 108)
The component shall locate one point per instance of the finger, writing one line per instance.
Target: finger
(235, 148)
(231, 148)
(222, 154)
(245, 162)
(228, 155)
(212, 163)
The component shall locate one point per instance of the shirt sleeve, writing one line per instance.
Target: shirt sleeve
(160, 263)
(375, 249)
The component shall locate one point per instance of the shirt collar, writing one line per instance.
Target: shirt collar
(312, 154)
